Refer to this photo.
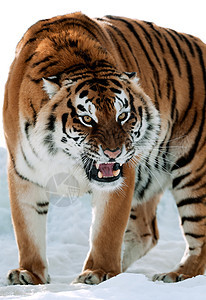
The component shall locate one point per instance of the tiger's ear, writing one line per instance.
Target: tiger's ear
(51, 85)
(130, 75)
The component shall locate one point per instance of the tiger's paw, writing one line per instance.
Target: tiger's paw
(24, 277)
(170, 277)
(93, 277)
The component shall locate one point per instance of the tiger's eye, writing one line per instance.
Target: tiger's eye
(122, 116)
(87, 119)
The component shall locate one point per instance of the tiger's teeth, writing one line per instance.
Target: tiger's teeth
(120, 165)
(97, 165)
(116, 173)
(100, 174)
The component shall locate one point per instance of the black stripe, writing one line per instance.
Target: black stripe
(192, 248)
(190, 201)
(30, 57)
(157, 34)
(191, 88)
(120, 34)
(50, 125)
(22, 277)
(173, 54)
(116, 91)
(20, 175)
(176, 41)
(173, 105)
(189, 44)
(142, 191)
(201, 60)
(25, 159)
(125, 57)
(202, 166)
(138, 176)
(192, 219)
(64, 121)
(155, 96)
(42, 204)
(183, 161)
(27, 124)
(133, 31)
(30, 41)
(34, 113)
(193, 181)
(42, 30)
(73, 110)
(49, 142)
(35, 80)
(42, 212)
(42, 61)
(203, 142)
(83, 94)
(154, 228)
(26, 128)
(200, 187)
(81, 107)
(195, 236)
(150, 42)
(159, 155)
(178, 180)
(153, 27)
(133, 217)
(54, 63)
(145, 235)
(64, 140)
(116, 82)
(81, 85)
(170, 79)
(192, 126)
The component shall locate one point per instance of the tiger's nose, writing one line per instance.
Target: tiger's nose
(112, 153)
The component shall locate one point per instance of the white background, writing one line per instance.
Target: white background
(16, 16)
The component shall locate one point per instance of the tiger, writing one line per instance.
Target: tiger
(120, 105)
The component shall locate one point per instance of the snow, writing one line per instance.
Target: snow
(67, 246)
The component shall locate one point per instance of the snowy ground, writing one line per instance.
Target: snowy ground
(67, 246)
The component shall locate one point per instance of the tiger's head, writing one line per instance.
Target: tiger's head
(102, 122)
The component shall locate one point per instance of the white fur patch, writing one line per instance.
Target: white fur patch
(121, 107)
(50, 88)
(90, 109)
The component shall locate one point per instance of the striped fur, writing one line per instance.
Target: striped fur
(119, 104)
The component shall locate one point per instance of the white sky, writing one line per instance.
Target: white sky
(17, 15)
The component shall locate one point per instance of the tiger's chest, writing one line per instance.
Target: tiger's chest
(59, 174)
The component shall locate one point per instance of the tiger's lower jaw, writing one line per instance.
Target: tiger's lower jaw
(105, 176)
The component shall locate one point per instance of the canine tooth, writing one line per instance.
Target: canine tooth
(116, 173)
(120, 165)
(97, 165)
(100, 174)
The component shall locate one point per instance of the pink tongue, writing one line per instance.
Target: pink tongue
(106, 169)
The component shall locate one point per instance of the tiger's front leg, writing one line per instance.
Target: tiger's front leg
(110, 216)
(192, 211)
(29, 207)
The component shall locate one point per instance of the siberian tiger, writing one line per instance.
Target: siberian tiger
(121, 105)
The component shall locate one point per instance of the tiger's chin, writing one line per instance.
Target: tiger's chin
(105, 176)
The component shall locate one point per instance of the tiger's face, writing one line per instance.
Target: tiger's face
(102, 123)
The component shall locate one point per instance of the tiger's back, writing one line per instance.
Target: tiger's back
(73, 55)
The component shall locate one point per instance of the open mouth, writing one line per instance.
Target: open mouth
(106, 172)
